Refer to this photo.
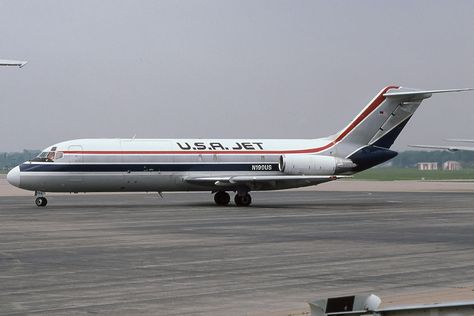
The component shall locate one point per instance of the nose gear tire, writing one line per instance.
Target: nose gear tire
(41, 201)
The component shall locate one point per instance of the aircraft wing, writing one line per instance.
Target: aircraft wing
(450, 148)
(19, 63)
(462, 140)
(252, 181)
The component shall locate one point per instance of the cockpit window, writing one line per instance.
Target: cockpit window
(48, 156)
(59, 155)
(43, 157)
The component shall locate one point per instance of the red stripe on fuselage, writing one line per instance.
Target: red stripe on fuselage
(375, 103)
(369, 109)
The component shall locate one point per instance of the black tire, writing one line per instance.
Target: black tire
(243, 200)
(222, 198)
(41, 201)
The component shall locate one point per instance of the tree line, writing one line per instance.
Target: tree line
(10, 160)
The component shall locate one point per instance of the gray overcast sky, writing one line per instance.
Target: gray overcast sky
(228, 69)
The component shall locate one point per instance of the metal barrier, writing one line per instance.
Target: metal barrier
(368, 305)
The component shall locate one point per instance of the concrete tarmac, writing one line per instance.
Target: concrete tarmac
(140, 254)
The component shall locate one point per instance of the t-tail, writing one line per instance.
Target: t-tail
(368, 138)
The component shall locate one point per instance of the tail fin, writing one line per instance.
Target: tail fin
(369, 136)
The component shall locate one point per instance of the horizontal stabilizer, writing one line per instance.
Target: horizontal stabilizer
(17, 63)
(421, 93)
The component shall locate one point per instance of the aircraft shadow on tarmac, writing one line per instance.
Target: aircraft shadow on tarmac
(206, 206)
(201, 202)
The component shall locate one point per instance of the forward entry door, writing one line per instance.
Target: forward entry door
(75, 172)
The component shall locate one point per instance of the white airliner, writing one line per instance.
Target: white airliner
(221, 165)
(449, 147)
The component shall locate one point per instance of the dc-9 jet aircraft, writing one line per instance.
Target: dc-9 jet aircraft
(222, 165)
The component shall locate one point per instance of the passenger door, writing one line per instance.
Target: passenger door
(75, 176)
(76, 154)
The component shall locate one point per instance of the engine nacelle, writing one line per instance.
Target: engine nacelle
(314, 164)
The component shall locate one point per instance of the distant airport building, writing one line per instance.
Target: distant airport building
(427, 166)
(452, 165)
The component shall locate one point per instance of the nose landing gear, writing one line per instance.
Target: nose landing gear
(40, 200)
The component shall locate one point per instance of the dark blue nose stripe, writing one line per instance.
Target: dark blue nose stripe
(170, 167)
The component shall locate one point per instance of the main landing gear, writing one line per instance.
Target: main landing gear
(222, 198)
(241, 199)
(40, 200)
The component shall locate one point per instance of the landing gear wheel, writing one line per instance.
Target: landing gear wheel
(222, 198)
(243, 200)
(41, 201)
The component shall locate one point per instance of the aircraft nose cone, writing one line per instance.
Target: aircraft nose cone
(13, 177)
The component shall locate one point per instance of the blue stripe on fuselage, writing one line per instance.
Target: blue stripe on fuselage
(54, 167)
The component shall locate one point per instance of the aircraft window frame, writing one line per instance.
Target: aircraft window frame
(43, 157)
(58, 155)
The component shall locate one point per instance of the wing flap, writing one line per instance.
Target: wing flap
(250, 180)
(239, 179)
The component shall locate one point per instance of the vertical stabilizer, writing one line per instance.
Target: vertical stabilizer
(367, 139)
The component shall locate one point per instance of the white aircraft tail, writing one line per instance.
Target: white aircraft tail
(367, 139)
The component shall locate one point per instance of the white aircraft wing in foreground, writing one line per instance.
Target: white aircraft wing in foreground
(257, 181)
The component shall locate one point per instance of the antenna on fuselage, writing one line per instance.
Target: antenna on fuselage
(16, 63)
